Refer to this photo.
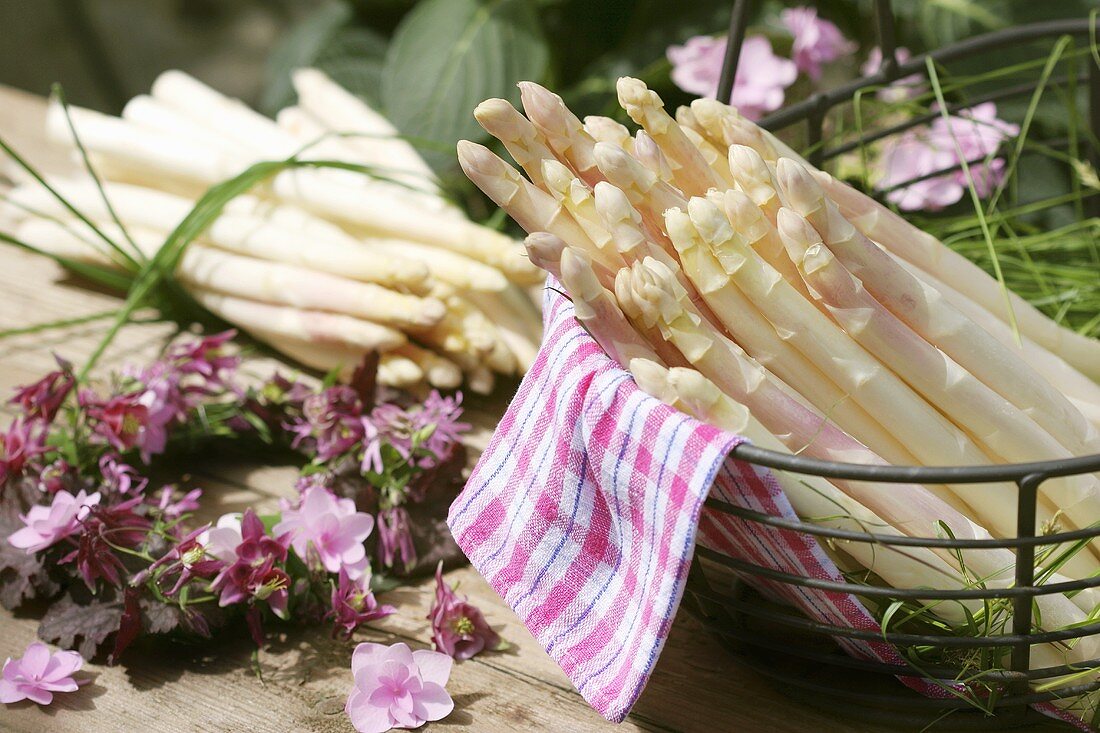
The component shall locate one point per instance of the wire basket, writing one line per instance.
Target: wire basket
(800, 654)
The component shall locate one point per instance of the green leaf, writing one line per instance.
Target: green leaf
(300, 48)
(449, 55)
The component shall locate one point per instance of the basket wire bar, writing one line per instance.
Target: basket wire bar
(729, 607)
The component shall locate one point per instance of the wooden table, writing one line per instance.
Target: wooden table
(697, 686)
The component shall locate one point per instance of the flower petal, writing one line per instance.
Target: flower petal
(435, 667)
(367, 654)
(435, 701)
(366, 718)
(10, 692)
(35, 660)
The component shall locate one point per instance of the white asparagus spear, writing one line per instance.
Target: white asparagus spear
(517, 320)
(561, 130)
(629, 232)
(1008, 433)
(927, 312)
(598, 312)
(813, 498)
(443, 265)
(754, 178)
(394, 370)
(379, 142)
(606, 130)
(649, 154)
(520, 138)
(545, 251)
(438, 370)
(717, 158)
(690, 171)
(745, 321)
(312, 326)
(152, 114)
(760, 234)
(648, 193)
(577, 199)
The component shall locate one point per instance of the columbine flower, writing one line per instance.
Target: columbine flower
(38, 674)
(189, 559)
(397, 688)
(816, 41)
(395, 537)
(44, 398)
(331, 527)
(372, 448)
(331, 420)
(103, 529)
(48, 525)
(459, 629)
(206, 357)
(57, 476)
(119, 420)
(437, 426)
(761, 77)
(353, 604)
(904, 88)
(976, 133)
(120, 477)
(173, 508)
(251, 574)
(23, 441)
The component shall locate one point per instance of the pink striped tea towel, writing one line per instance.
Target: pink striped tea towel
(584, 511)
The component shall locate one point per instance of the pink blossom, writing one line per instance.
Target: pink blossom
(119, 419)
(105, 528)
(38, 674)
(48, 525)
(120, 477)
(975, 132)
(353, 604)
(331, 422)
(44, 398)
(816, 41)
(902, 89)
(395, 537)
(23, 441)
(207, 357)
(761, 77)
(332, 528)
(459, 629)
(174, 508)
(397, 688)
(252, 573)
(57, 476)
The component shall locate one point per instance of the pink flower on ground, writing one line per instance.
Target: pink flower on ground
(252, 573)
(38, 674)
(48, 525)
(902, 89)
(332, 528)
(816, 41)
(459, 629)
(761, 77)
(353, 604)
(976, 133)
(397, 688)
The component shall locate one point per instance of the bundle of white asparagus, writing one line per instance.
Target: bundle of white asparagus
(323, 264)
(752, 291)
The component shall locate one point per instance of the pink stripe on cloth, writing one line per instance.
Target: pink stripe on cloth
(584, 511)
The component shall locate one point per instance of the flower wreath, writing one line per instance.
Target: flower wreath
(82, 528)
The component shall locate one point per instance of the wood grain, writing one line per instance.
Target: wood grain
(166, 686)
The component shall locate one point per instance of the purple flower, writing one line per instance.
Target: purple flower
(173, 508)
(436, 425)
(48, 525)
(816, 41)
(397, 688)
(902, 89)
(353, 604)
(44, 398)
(395, 538)
(331, 421)
(23, 441)
(38, 674)
(372, 448)
(251, 573)
(459, 629)
(976, 133)
(120, 477)
(57, 476)
(104, 529)
(119, 420)
(761, 77)
(188, 559)
(332, 528)
(206, 357)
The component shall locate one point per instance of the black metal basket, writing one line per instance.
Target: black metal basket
(800, 654)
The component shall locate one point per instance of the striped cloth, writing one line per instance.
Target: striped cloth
(584, 511)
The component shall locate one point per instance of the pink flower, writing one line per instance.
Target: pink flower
(397, 688)
(902, 89)
(976, 133)
(119, 420)
(174, 508)
(23, 441)
(459, 629)
(120, 477)
(761, 77)
(103, 529)
(332, 528)
(816, 41)
(44, 398)
(48, 525)
(252, 574)
(331, 422)
(38, 674)
(395, 537)
(206, 357)
(353, 604)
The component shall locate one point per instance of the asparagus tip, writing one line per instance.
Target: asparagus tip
(799, 188)
(709, 220)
